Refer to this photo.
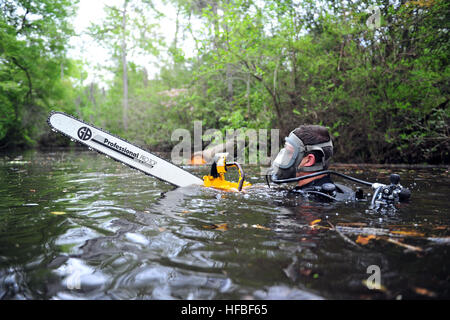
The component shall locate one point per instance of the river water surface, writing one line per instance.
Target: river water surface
(76, 225)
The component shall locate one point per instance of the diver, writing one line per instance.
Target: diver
(308, 150)
(305, 159)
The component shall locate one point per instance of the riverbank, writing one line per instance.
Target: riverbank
(164, 153)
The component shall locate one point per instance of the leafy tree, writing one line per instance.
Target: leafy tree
(125, 30)
(374, 72)
(33, 42)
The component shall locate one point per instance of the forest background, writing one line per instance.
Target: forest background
(375, 73)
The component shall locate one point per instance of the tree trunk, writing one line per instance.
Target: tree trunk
(229, 81)
(124, 67)
(92, 99)
(145, 77)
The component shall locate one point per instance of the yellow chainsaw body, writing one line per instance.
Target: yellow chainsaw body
(218, 181)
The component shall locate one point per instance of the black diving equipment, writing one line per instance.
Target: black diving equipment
(286, 163)
(388, 195)
(384, 195)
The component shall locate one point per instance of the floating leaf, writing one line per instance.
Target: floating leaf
(58, 212)
(258, 226)
(408, 233)
(424, 292)
(221, 226)
(352, 224)
(365, 240)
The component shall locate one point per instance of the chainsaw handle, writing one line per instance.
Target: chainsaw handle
(241, 173)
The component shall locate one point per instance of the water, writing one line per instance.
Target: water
(75, 225)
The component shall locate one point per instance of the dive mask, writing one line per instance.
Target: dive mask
(286, 163)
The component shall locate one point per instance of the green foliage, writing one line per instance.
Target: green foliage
(383, 93)
(33, 38)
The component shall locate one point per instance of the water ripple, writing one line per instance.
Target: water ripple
(119, 234)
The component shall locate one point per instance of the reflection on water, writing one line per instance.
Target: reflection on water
(75, 225)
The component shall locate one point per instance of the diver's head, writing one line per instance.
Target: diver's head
(307, 149)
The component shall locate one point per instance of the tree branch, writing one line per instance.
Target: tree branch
(30, 83)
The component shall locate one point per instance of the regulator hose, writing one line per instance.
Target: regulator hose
(273, 179)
